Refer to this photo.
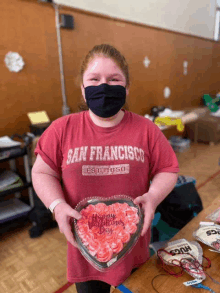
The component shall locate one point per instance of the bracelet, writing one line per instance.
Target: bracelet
(55, 203)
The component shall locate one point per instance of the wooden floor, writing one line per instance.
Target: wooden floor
(39, 265)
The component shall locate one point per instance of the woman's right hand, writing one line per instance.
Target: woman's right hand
(63, 213)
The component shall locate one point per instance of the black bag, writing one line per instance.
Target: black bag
(180, 206)
(40, 217)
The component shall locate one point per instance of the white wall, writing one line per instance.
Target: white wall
(194, 17)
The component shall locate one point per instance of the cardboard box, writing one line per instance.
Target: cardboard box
(39, 122)
(205, 129)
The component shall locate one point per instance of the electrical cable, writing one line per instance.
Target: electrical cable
(213, 280)
(152, 281)
(189, 264)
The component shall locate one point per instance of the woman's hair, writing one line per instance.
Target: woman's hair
(107, 51)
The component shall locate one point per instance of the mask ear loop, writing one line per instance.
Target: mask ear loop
(169, 271)
(197, 265)
(190, 266)
(180, 264)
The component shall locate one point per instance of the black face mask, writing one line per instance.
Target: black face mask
(105, 100)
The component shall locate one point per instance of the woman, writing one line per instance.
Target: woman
(103, 152)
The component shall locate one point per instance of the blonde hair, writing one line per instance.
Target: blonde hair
(107, 51)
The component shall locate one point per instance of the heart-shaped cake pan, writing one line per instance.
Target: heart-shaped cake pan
(108, 230)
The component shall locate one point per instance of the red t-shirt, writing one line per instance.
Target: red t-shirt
(104, 162)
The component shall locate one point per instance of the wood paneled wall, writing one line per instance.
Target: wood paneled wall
(28, 27)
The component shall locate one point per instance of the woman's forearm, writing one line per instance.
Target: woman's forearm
(162, 184)
(47, 187)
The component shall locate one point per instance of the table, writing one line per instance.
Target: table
(191, 116)
(207, 129)
(140, 281)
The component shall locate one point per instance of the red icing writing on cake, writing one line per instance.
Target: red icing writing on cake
(105, 229)
(103, 221)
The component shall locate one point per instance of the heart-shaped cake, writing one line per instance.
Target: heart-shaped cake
(108, 229)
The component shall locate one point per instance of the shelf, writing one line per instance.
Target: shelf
(14, 153)
(12, 209)
(15, 189)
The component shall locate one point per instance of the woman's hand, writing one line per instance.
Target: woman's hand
(149, 209)
(63, 214)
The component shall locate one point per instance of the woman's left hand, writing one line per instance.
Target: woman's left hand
(149, 209)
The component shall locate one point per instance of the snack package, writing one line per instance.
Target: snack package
(108, 230)
(209, 235)
(215, 216)
(187, 253)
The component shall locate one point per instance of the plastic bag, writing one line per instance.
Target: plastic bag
(108, 230)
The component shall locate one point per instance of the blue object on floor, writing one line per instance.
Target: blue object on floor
(123, 289)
